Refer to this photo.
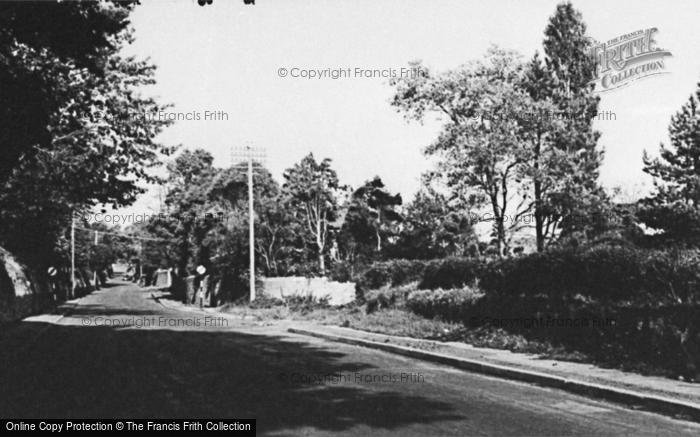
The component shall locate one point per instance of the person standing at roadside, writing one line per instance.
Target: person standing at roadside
(203, 284)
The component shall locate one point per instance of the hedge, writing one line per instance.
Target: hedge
(394, 272)
(652, 296)
(605, 274)
(452, 272)
(452, 304)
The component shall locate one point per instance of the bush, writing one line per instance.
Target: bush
(454, 304)
(261, 301)
(305, 304)
(393, 272)
(451, 272)
(389, 297)
(297, 303)
(606, 274)
(651, 296)
(342, 271)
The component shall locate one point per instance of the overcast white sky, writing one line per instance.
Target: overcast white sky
(226, 57)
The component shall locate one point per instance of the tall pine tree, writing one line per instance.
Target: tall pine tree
(565, 160)
(675, 207)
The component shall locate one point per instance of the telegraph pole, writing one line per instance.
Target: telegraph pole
(251, 229)
(249, 153)
(72, 257)
(94, 274)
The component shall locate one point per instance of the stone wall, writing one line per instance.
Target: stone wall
(338, 293)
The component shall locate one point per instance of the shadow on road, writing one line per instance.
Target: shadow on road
(104, 372)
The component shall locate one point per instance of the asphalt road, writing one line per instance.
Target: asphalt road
(121, 354)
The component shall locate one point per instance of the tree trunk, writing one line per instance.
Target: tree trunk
(320, 243)
(539, 219)
(504, 249)
(321, 263)
(498, 227)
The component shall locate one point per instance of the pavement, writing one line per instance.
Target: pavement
(679, 399)
(120, 353)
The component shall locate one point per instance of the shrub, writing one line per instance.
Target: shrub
(262, 301)
(606, 274)
(307, 269)
(454, 304)
(392, 272)
(389, 296)
(652, 297)
(305, 304)
(451, 272)
(342, 271)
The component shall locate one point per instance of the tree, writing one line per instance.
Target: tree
(275, 234)
(47, 47)
(371, 214)
(86, 159)
(208, 219)
(562, 163)
(520, 136)
(313, 190)
(41, 63)
(228, 195)
(189, 177)
(480, 147)
(187, 168)
(543, 160)
(433, 229)
(565, 162)
(675, 206)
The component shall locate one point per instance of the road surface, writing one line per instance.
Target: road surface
(122, 354)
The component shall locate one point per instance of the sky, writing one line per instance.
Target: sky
(228, 57)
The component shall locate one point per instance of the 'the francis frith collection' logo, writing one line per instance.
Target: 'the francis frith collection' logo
(627, 58)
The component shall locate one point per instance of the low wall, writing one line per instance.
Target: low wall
(163, 278)
(120, 268)
(338, 293)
